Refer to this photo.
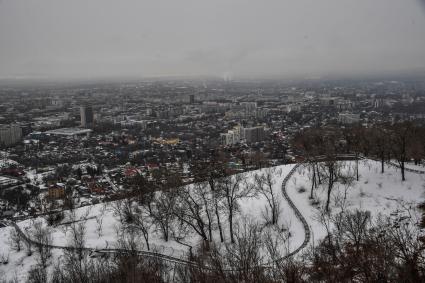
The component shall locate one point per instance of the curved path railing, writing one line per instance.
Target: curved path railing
(301, 218)
(175, 260)
(69, 248)
(391, 163)
(394, 164)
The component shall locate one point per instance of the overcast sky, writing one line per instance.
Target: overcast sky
(140, 38)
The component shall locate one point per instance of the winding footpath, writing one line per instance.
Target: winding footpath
(175, 260)
(301, 218)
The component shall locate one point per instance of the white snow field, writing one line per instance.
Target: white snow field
(375, 192)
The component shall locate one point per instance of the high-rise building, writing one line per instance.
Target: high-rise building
(10, 134)
(348, 118)
(87, 117)
(249, 106)
(255, 134)
(192, 99)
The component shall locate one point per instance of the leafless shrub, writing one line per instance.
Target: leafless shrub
(4, 258)
(301, 189)
(43, 238)
(37, 274)
(16, 240)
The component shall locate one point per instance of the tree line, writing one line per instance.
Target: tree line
(399, 142)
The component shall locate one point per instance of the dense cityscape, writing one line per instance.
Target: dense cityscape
(155, 128)
(212, 141)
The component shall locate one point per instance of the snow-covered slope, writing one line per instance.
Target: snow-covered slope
(375, 192)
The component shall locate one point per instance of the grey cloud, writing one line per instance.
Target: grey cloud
(59, 38)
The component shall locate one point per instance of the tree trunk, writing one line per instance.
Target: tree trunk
(209, 226)
(147, 243)
(382, 163)
(165, 233)
(209, 219)
(357, 169)
(220, 229)
(330, 185)
(318, 175)
(273, 214)
(403, 178)
(232, 239)
(313, 183)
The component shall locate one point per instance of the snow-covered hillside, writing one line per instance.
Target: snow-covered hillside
(375, 192)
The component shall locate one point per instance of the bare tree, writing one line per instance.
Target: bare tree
(244, 255)
(408, 244)
(354, 227)
(355, 137)
(16, 240)
(264, 184)
(211, 172)
(144, 223)
(330, 164)
(358, 249)
(416, 149)
(99, 225)
(190, 209)
(128, 240)
(123, 208)
(43, 238)
(78, 234)
(76, 263)
(401, 135)
(276, 242)
(233, 189)
(207, 196)
(37, 274)
(162, 211)
(310, 143)
(380, 143)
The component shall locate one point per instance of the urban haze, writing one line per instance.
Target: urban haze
(212, 141)
(307, 38)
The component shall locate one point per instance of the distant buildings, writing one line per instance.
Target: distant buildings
(10, 134)
(254, 134)
(56, 191)
(249, 106)
(87, 117)
(250, 135)
(348, 118)
(70, 132)
(233, 136)
(192, 99)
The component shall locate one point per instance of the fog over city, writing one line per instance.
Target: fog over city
(237, 38)
(188, 141)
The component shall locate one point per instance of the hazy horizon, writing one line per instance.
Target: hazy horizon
(117, 39)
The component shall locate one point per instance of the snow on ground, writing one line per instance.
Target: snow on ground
(375, 192)
(411, 165)
(36, 178)
(18, 262)
(250, 208)
(254, 208)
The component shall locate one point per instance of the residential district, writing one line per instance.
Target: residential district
(65, 146)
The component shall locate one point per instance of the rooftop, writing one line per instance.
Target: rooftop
(69, 131)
